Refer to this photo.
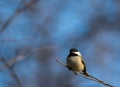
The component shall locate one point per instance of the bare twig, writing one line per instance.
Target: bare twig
(95, 79)
(13, 74)
(60, 62)
(86, 76)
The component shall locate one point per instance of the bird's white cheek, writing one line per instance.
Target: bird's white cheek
(78, 53)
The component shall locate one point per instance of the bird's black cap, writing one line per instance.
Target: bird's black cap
(73, 50)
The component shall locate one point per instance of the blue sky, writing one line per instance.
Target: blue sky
(90, 26)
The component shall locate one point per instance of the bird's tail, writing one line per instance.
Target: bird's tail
(96, 79)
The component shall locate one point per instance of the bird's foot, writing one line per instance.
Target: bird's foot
(76, 73)
(69, 68)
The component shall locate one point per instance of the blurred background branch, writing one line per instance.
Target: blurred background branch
(22, 6)
(35, 32)
(12, 72)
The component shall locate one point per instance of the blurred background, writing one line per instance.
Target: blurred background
(33, 33)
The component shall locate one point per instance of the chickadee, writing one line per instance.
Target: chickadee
(75, 62)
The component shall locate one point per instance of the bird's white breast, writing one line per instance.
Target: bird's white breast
(75, 62)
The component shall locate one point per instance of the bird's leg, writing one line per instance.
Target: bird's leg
(76, 73)
(69, 67)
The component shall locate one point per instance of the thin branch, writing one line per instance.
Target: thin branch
(12, 72)
(85, 76)
(60, 62)
(95, 79)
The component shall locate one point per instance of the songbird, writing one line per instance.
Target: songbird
(75, 62)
